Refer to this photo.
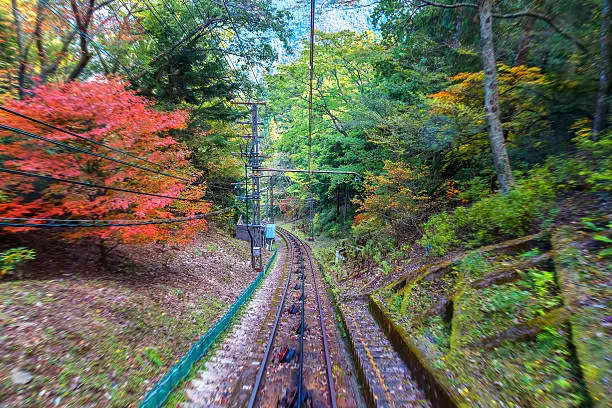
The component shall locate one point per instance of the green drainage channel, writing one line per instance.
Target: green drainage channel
(160, 392)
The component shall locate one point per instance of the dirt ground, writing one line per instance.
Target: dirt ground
(76, 333)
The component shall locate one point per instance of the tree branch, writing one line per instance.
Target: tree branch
(548, 20)
(448, 6)
(525, 13)
(196, 32)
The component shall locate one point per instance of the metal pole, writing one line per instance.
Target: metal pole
(311, 202)
(253, 159)
(255, 163)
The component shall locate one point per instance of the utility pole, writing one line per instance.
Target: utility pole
(253, 159)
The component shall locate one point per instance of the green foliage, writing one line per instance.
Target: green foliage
(602, 238)
(532, 253)
(440, 234)
(589, 168)
(11, 258)
(510, 215)
(152, 356)
(588, 223)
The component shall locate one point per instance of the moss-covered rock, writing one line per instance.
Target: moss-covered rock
(492, 327)
(584, 277)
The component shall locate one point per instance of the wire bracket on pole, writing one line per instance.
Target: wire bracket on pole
(254, 159)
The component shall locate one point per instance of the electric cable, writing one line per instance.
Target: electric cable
(239, 40)
(82, 183)
(130, 13)
(68, 132)
(48, 6)
(156, 16)
(89, 152)
(174, 16)
(61, 223)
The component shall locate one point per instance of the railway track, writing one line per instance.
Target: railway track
(296, 368)
(282, 351)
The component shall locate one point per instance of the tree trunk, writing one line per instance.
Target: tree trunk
(491, 93)
(523, 49)
(337, 203)
(457, 32)
(42, 54)
(82, 22)
(21, 73)
(601, 108)
(346, 200)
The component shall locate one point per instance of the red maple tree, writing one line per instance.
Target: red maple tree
(105, 111)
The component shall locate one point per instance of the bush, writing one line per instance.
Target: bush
(510, 215)
(439, 234)
(10, 258)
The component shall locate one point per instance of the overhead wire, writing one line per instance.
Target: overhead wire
(174, 16)
(92, 223)
(239, 40)
(131, 13)
(52, 9)
(89, 152)
(156, 16)
(81, 137)
(91, 185)
(33, 222)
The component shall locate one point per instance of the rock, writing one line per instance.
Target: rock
(20, 377)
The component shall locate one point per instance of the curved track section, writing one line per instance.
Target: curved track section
(299, 372)
(282, 350)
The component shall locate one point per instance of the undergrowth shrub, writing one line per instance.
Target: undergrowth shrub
(11, 258)
(510, 215)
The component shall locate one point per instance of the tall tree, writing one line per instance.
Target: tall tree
(106, 112)
(491, 97)
(486, 15)
(603, 94)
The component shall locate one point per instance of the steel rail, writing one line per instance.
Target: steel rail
(301, 361)
(264, 360)
(330, 379)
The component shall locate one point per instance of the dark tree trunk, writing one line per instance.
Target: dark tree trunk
(42, 54)
(346, 199)
(337, 204)
(83, 22)
(601, 108)
(23, 65)
(457, 33)
(491, 93)
(523, 49)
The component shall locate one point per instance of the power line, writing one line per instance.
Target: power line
(131, 13)
(89, 152)
(174, 16)
(239, 39)
(81, 183)
(68, 132)
(59, 223)
(48, 6)
(155, 15)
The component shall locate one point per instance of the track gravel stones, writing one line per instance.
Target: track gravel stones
(229, 377)
(238, 357)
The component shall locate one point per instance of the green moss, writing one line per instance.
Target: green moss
(110, 356)
(538, 373)
(584, 278)
(532, 366)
